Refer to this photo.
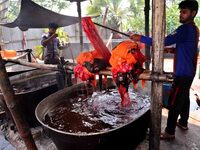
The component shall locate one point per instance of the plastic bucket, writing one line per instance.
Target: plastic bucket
(166, 92)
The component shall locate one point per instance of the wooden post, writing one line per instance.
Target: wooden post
(158, 22)
(147, 48)
(10, 101)
(80, 25)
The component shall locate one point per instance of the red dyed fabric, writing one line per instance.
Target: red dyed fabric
(82, 73)
(95, 39)
(127, 61)
(125, 99)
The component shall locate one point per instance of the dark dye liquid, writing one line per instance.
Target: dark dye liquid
(100, 112)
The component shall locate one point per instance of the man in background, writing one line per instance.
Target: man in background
(51, 45)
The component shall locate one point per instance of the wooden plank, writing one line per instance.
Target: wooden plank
(158, 47)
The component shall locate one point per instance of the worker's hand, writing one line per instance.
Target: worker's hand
(135, 37)
(55, 35)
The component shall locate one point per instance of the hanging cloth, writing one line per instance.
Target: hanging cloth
(93, 35)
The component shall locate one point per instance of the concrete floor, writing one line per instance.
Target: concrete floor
(185, 140)
(4, 144)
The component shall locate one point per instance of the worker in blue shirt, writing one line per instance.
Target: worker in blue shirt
(186, 39)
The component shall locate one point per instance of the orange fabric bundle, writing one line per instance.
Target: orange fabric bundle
(126, 61)
(80, 70)
(122, 54)
(88, 57)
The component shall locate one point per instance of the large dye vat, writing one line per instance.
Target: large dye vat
(120, 136)
(30, 88)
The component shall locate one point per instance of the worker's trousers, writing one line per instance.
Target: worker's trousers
(179, 103)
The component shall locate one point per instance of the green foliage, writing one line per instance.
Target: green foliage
(136, 22)
(197, 21)
(172, 17)
(122, 14)
(63, 37)
(39, 52)
(13, 9)
(118, 13)
(131, 16)
(54, 5)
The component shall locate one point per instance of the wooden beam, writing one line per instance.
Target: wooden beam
(158, 33)
(147, 48)
(147, 75)
(10, 101)
(35, 65)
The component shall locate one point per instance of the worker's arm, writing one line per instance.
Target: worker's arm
(45, 41)
(169, 40)
(173, 38)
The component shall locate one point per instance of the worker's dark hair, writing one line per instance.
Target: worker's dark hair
(53, 25)
(189, 4)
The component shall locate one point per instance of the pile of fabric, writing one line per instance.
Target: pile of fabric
(126, 61)
(89, 63)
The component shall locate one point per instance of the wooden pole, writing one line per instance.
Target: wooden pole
(80, 25)
(147, 75)
(158, 32)
(112, 29)
(10, 101)
(42, 66)
(35, 65)
(104, 20)
(147, 48)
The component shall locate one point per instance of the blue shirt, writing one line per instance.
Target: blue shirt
(186, 39)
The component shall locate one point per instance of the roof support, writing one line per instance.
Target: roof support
(147, 48)
(158, 33)
(80, 25)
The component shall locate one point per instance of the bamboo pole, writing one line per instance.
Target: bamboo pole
(111, 29)
(147, 75)
(147, 48)
(80, 25)
(10, 101)
(158, 33)
(35, 65)
(42, 66)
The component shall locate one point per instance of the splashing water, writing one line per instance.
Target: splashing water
(100, 112)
